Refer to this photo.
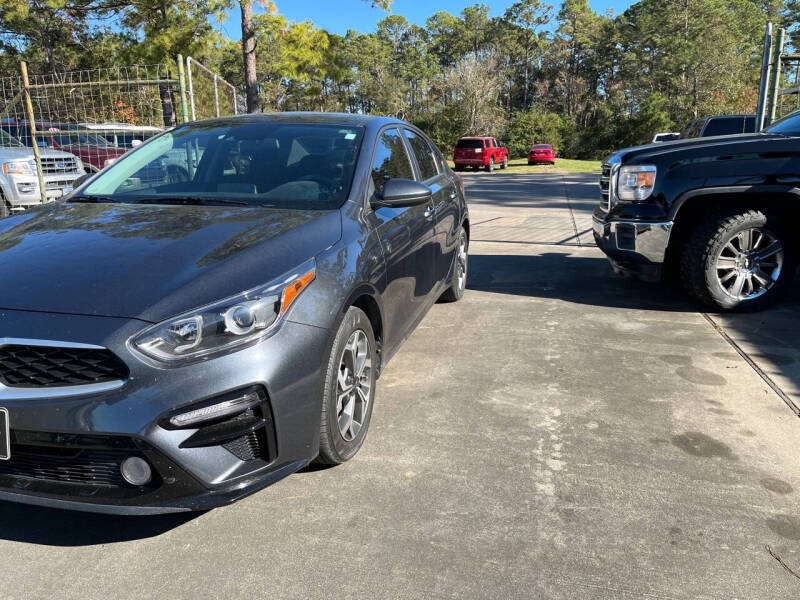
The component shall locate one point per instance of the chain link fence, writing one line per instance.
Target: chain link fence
(54, 128)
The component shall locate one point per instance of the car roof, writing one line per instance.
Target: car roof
(476, 137)
(330, 118)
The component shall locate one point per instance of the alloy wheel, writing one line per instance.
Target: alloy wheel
(461, 262)
(749, 264)
(353, 386)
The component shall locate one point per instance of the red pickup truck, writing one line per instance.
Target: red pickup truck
(479, 152)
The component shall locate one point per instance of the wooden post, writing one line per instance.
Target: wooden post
(32, 125)
(182, 87)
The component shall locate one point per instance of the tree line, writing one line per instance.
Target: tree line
(583, 81)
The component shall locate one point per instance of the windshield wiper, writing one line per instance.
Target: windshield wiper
(192, 200)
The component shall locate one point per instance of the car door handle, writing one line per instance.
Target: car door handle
(429, 212)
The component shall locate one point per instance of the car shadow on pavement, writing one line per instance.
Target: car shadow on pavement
(55, 527)
(578, 279)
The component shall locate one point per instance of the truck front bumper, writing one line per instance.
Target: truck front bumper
(633, 246)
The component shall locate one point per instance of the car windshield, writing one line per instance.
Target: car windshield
(789, 125)
(79, 139)
(281, 165)
(541, 147)
(469, 144)
(7, 141)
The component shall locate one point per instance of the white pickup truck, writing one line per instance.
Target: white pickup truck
(19, 184)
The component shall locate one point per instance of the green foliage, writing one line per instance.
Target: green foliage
(585, 82)
(532, 127)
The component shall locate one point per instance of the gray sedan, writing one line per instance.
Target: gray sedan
(211, 313)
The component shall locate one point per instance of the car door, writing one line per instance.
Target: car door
(444, 196)
(407, 239)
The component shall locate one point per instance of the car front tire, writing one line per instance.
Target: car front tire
(739, 260)
(349, 389)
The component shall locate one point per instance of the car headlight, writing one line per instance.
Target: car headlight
(226, 325)
(17, 167)
(635, 183)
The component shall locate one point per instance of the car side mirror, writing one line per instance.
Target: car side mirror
(400, 193)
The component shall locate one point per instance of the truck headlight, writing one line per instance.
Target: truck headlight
(17, 167)
(226, 325)
(635, 183)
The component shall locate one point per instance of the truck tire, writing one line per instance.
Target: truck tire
(5, 207)
(505, 162)
(490, 166)
(738, 259)
(459, 167)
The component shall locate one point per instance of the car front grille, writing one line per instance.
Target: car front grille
(605, 187)
(66, 465)
(55, 166)
(48, 366)
(58, 184)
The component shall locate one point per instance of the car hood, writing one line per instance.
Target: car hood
(25, 153)
(638, 154)
(150, 262)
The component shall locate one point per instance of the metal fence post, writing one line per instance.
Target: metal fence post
(764, 85)
(191, 85)
(32, 125)
(776, 76)
(216, 96)
(182, 87)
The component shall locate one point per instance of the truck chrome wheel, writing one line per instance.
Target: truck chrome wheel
(353, 385)
(461, 261)
(749, 264)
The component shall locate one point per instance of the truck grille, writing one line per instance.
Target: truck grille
(58, 184)
(55, 166)
(44, 366)
(605, 187)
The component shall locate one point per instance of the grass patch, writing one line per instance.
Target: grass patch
(563, 165)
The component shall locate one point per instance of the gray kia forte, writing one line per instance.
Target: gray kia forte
(211, 312)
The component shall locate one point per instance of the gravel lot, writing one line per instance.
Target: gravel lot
(560, 433)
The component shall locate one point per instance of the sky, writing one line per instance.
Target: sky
(337, 16)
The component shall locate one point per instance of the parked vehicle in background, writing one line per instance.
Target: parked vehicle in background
(479, 151)
(666, 137)
(719, 125)
(542, 154)
(720, 213)
(123, 135)
(95, 151)
(177, 346)
(19, 183)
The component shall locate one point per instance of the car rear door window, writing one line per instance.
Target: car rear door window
(469, 144)
(424, 155)
(391, 160)
(724, 126)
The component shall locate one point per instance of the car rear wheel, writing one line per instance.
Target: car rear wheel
(459, 167)
(739, 260)
(505, 162)
(349, 390)
(490, 166)
(458, 281)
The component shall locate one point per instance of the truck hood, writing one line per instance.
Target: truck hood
(25, 153)
(639, 154)
(150, 262)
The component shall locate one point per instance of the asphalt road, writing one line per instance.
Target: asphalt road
(560, 433)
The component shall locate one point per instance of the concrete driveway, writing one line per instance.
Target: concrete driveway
(560, 433)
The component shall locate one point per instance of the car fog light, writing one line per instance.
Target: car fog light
(235, 403)
(136, 471)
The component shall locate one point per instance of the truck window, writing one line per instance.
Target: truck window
(750, 124)
(724, 126)
(469, 144)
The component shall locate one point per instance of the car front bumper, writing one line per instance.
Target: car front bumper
(633, 246)
(68, 431)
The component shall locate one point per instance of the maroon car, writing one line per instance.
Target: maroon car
(94, 150)
(542, 154)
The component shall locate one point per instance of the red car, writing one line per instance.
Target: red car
(541, 154)
(479, 151)
(94, 150)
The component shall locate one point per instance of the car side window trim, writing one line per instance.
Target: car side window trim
(412, 154)
(369, 189)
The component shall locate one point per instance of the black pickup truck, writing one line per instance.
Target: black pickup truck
(718, 212)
